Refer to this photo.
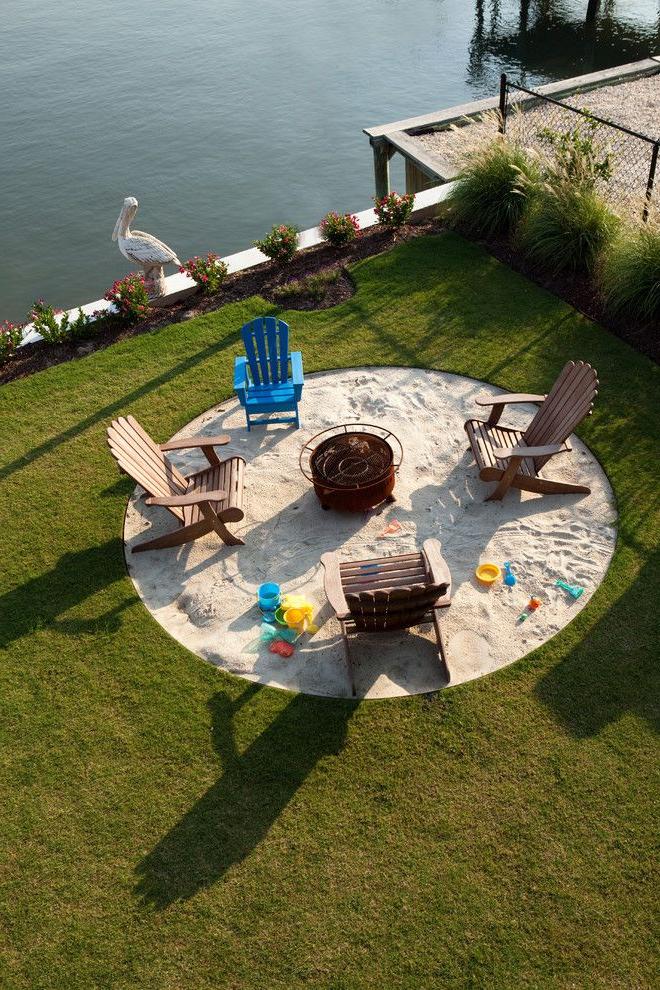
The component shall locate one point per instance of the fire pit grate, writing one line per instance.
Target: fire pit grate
(352, 466)
(352, 460)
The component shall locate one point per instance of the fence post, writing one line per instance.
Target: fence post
(651, 180)
(502, 127)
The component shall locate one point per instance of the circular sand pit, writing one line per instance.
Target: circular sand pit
(204, 594)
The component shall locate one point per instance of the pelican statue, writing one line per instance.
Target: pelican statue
(144, 249)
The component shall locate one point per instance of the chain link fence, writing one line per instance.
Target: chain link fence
(533, 119)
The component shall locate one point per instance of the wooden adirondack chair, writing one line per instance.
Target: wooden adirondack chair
(388, 593)
(514, 458)
(262, 379)
(201, 502)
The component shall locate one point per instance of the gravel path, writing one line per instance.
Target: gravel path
(632, 104)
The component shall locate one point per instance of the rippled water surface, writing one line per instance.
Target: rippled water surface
(226, 116)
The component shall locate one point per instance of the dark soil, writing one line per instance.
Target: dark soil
(261, 280)
(578, 290)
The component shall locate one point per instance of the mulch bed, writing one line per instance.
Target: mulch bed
(262, 280)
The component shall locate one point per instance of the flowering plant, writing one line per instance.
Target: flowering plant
(208, 272)
(280, 244)
(10, 338)
(394, 211)
(55, 325)
(130, 297)
(338, 229)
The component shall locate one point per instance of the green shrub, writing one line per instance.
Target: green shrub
(393, 210)
(56, 326)
(10, 337)
(629, 275)
(567, 227)
(339, 229)
(492, 192)
(280, 243)
(209, 272)
(129, 296)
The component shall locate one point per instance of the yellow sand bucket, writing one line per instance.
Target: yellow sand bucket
(488, 574)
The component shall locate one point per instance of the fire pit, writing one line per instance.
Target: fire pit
(352, 467)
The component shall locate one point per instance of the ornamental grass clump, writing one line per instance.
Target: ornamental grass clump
(11, 335)
(280, 243)
(55, 325)
(629, 274)
(494, 189)
(129, 296)
(339, 229)
(209, 272)
(394, 211)
(567, 227)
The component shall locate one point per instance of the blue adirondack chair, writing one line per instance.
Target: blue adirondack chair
(262, 379)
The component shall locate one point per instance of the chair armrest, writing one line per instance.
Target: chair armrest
(297, 372)
(332, 584)
(185, 442)
(240, 375)
(503, 453)
(194, 498)
(508, 398)
(437, 565)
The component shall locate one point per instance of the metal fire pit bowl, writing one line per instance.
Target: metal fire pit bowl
(353, 466)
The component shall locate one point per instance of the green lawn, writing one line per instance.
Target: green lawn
(167, 826)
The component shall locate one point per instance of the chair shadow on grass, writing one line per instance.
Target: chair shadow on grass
(236, 813)
(76, 576)
(614, 669)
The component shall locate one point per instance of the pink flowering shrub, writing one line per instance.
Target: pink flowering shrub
(130, 297)
(394, 211)
(56, 326)
(280, 244)
(338, 229)
(208, 272)
(10, 337)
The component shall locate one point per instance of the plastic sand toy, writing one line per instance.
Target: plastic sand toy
(532, 606)
(509, 576)
(280, 646)
(392, 527)
(488, 574)
(574, 590)
(268, 596)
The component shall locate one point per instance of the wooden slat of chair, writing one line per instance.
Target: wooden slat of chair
(142, 443)
(271, 337)
(349, 566)
(153, 479)
(151, 460)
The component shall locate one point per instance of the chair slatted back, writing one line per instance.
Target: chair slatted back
(570, 399)
(266, 342)
(141, 458)
(396, 608)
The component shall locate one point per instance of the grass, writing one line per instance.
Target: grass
(630, 273)
(313, 287)
(169, 826)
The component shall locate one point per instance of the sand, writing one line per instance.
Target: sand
(204, 594)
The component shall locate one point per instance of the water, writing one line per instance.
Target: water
(226, 116)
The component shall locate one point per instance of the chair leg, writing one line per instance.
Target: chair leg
(297, 418)
(176, 538)
(225, 535)
(349, 660)
(442, 654)
(505, 481)
(247, 417)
